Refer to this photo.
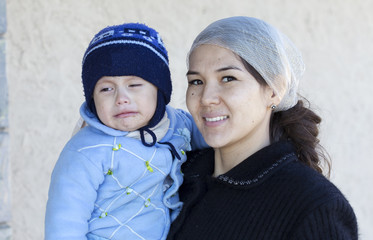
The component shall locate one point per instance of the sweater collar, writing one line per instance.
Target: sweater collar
(252, 170)
(260, 165)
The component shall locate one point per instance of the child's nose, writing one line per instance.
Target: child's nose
(122, 98)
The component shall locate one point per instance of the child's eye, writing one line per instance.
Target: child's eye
(195, 82)
(135, 85)
(228, 79)
(106, 89)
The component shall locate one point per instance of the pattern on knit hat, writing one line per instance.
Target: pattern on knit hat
(130, 49)
(108, 32)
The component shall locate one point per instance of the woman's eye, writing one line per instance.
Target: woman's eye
(195, 82)
(228, 79)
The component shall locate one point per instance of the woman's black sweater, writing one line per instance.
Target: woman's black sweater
(270, 195)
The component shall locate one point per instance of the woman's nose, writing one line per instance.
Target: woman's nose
(210, 95)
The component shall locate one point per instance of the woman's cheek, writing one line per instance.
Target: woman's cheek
(191, 101)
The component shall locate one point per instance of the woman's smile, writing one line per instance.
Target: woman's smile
(216, 119)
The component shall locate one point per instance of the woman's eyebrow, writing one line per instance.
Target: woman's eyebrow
(228, 68)
(217, 70)
(191, 73)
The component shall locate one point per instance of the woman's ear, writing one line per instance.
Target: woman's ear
(272, 98)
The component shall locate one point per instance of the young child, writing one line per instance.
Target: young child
(118, 177)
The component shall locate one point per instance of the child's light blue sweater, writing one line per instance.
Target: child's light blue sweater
(109, 186)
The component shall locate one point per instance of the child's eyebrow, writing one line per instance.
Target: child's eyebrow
(106, 80)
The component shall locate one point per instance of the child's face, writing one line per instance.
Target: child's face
(125, 103)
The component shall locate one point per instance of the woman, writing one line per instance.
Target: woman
(262, 179)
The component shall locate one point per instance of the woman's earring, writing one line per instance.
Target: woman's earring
(273, 106)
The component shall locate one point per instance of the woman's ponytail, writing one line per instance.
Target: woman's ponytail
(301, 125)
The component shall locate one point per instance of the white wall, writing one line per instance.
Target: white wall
(46, 41)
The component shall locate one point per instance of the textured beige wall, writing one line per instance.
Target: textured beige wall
(46, 41)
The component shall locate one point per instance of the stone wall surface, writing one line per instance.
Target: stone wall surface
(46, 41)
(5, 190)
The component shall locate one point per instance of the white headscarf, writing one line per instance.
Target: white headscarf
(269, 51)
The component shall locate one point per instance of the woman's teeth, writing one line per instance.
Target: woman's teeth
(215, 119)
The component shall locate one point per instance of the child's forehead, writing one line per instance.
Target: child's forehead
(115, 79)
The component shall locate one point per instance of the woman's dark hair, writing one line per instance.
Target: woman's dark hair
(300, 125)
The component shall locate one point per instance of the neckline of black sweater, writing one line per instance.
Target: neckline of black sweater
(250, 172)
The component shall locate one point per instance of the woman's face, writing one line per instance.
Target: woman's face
(227, 103)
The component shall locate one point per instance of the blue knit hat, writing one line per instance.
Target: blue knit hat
(130, 49)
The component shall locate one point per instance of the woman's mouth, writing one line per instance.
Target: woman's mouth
(215, 119)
